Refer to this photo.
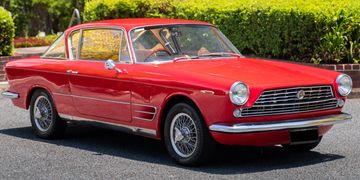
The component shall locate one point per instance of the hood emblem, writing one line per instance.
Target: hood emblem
(300, 94)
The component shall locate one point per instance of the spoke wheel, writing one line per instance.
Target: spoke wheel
(43, 114)
(186, 137)
(45, 120)
(183, 135)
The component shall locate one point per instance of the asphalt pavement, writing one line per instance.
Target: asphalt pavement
(94, 153)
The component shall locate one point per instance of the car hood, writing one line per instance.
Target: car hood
(260, 73)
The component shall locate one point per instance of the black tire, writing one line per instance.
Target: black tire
(56, 127)
(301, 147)
(204, 142)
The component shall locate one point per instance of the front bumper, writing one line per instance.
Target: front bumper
(281, 125)
(10, 95)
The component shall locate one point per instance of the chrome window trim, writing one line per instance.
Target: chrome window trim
(134, 129)
(43, 55)
(96, 27)
(169, 24)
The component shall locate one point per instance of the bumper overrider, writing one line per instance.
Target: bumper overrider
(10, 95)
(281, 125)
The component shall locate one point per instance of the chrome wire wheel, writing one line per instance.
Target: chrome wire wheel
(183, 135)
(43, 113)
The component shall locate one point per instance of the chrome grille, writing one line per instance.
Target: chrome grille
(287, 101)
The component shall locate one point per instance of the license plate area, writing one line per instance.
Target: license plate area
(304, 135)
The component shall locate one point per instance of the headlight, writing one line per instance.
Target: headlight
(344, 83)
(239, 93)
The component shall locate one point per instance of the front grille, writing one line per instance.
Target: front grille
(287, 101)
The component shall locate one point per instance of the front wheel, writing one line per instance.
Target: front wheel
(45, 120)
(186, 137)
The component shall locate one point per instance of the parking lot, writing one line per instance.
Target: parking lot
(95, 153)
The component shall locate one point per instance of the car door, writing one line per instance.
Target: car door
(99, 93)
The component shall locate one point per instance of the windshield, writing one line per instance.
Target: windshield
(166, 43)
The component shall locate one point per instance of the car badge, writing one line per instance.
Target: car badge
(300, 94)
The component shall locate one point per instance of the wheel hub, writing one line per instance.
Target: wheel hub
(183, 135)
(42, 113)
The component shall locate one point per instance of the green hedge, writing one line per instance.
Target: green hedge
(7, 31)
(326, 31)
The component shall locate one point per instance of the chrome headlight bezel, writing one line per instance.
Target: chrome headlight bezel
(235, 97)
(343, 87)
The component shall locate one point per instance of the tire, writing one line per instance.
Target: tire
(45, 121)
(301, 147)
(186, 137)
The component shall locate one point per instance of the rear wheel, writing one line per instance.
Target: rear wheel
(302, 147)
(45, 120)
(186, 137)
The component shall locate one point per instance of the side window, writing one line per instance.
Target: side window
(103, 44)
(57, 49)
(124, 50)
(75, 37)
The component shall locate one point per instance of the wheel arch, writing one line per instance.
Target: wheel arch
(32, 91)
(170, 102)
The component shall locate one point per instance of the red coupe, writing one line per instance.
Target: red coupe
(180, 81)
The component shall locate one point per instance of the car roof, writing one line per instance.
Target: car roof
(130, 23)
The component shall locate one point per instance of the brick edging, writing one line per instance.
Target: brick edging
(5, 59)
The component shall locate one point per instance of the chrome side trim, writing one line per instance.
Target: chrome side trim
(145, 112)
(118, 102)
(126, 128)
(153, 113)
(92, 98)
(144, 119)
(10, 95)
(281, 125)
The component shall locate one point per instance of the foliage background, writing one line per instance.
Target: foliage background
(7, 31)
(325, 31)
(317, 31)
(49, 16)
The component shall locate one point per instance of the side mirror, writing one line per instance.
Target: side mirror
(110, 65)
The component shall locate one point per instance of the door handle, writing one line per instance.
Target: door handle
(71, 71)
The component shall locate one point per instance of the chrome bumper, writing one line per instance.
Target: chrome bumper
(281, 125)
(10, 95)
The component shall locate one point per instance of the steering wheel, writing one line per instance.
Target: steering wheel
(154, 53)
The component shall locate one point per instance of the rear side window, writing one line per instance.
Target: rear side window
(57, 49)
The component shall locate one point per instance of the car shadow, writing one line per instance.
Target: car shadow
(228, 160)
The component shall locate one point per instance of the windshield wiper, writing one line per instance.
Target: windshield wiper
(221, 54)
(186, 57)
(216, 54)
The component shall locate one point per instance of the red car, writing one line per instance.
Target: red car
(179, 81)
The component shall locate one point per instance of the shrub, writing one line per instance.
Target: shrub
(302, 30)
(7, 31)
(34, 41)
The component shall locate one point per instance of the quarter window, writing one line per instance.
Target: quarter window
(57, 49)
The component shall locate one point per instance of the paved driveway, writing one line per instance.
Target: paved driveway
(94, 153)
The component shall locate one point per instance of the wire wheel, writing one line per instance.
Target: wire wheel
(183, 135)
(43, 114)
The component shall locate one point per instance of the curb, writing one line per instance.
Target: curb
(355, 93)
(3, 86)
